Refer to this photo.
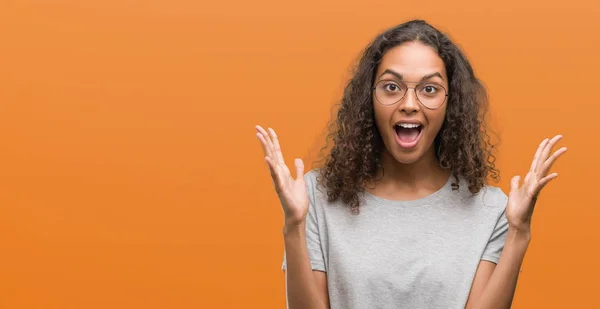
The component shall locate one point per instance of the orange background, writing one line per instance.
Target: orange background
(130, 175)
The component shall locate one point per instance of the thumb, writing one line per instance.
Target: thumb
(514, 183)
(299, 168)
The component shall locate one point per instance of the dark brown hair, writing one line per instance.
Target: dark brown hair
(463, 144)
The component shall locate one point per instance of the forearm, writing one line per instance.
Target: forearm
(302, 292)
(500, 289)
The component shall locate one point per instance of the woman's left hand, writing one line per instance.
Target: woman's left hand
(522, 199)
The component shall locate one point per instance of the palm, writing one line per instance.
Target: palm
(522, 199)
(295, 197)
(291, 192)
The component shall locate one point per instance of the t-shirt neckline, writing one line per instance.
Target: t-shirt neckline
(440, 193)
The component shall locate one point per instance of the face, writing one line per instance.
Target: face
(408, 128)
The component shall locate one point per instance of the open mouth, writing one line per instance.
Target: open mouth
(408, 134)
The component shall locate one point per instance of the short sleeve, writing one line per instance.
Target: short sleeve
(496, 243)
(313, 239)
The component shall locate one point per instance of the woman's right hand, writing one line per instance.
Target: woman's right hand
(292, 192)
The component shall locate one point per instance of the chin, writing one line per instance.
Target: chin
(407, 158)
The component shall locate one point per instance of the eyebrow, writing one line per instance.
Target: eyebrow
(399, 76)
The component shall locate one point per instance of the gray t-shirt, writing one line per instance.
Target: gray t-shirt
(404, 254)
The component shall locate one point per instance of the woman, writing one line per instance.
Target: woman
(400, 215)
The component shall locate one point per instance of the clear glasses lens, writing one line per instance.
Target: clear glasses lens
(389, 92)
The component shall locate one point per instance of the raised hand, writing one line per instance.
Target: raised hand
(292, 192)
(522, 199)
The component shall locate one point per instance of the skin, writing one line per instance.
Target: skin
(305, 288)
(409, 174)
(494, 285)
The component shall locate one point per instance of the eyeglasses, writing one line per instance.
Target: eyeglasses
(431, 95)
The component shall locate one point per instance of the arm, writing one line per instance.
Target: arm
(305, 288)
(494, 285)
(498, 291)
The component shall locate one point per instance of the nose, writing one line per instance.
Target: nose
(409, 104)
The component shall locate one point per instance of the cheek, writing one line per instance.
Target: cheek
(436, 118)
(381, 117)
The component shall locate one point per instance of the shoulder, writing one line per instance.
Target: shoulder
(311, 178)
(488, 196)
(311, 175)
(317, 191)
(493, 196)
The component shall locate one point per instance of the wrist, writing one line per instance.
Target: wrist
(521, 235)
(294, 228)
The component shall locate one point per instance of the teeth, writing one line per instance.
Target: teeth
(409, 125)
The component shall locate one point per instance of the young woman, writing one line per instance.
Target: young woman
(400, 215)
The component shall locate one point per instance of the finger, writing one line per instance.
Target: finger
(276, 146)
(274, 173)
(265, 146)
(537, 155)
(263, 143)
(269, 145)
(299, 169)
(546, 153)
(548, 164)
(514, 183)
(544, 181)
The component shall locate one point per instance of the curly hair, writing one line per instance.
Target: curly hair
(462, 145)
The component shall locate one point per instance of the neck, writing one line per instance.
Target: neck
(425, 172)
